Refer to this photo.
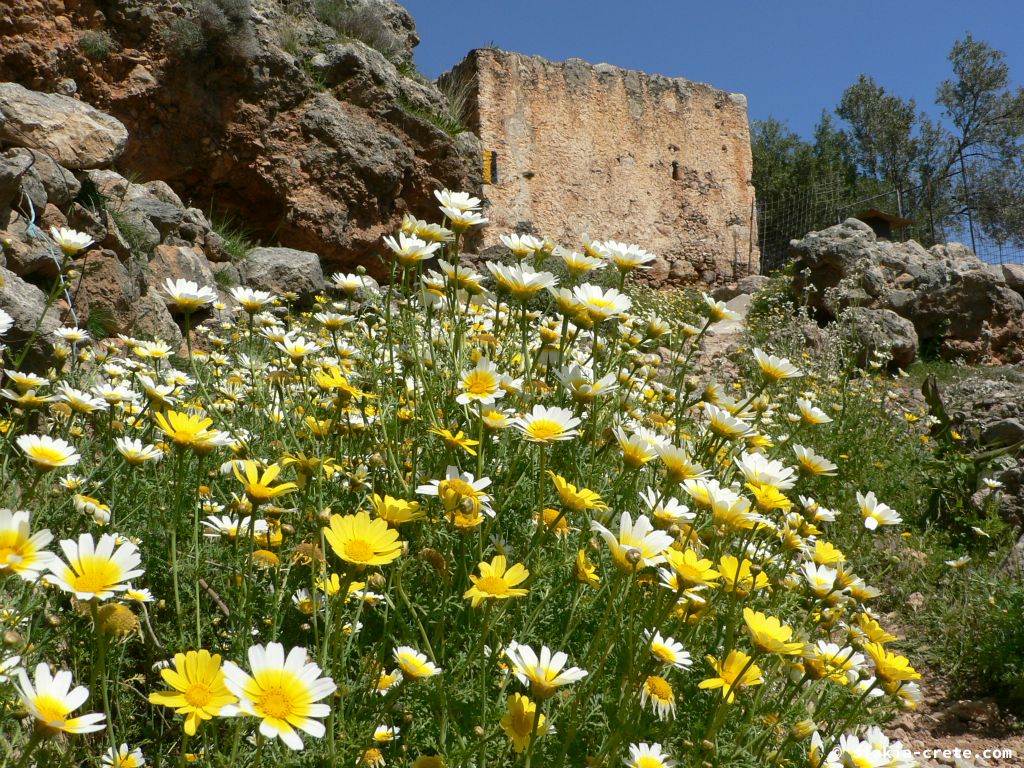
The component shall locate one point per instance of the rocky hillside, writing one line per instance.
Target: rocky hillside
(304, 118)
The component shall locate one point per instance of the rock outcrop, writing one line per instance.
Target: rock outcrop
(312, 129)
(959, 306)
(141, 234)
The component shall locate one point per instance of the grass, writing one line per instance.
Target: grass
(359, 22)
(238, 239)
(443, 120)
(133, 234)
(98, 44)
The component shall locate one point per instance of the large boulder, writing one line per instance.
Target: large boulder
(73, 133)
(283, 270)
(957, 303)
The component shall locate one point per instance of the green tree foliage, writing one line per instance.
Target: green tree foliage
(968, 160)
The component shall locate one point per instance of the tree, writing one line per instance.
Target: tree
(986, 140)
(882, 131)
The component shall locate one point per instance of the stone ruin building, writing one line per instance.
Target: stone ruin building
(574, 148)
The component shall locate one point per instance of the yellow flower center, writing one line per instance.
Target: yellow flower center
(359, 550)
(52, 711)
(646, 761)
(492, 585)
(46, 455)
(97, 575)
(659, 688)
(276, 703)
(663, 653)
(480, 383)
(545, 429)
(198, 695)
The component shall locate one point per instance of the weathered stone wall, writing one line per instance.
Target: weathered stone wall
(617, 154)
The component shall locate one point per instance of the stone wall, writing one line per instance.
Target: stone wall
(616, 154)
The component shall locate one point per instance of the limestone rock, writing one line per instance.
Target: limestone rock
(883, 331)
(107, 293)
(73, 133)
(283, 270)
(26, 304)
(955, 301)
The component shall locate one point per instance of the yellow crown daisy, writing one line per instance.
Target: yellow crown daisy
(360, 540)
(496, 582)
(522, 723)
(738, 671)
(198, 688)
(95, 570)
(258, 487)
(396, 511)
(575, 499)
(769, 634)
(282, 691)
(50, 700)
(543, 672)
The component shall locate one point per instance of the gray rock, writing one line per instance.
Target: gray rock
(194, 225)
(13, 165)
(882, 330)
(1013, 274)
(364, 76)
(58, 183)
(165, 217)
(283, 270)
(26, 304)
(386, 24)
(70, 131)
(110, 184)
(1003, 432)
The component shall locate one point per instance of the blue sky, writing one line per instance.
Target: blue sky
(790, 57)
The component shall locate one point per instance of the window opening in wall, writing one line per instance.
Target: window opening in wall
(675, 170)
(490, 166)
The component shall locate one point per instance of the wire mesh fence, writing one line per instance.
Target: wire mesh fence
(827, 202)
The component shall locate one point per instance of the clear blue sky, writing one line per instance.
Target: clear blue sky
(790, 57)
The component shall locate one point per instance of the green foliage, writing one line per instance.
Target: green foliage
(215, 29)
(443, 120)
(238, 239)
(225, 279)
(97, 44)
(458, 87)
(359, 22)
(99, 322)
(971, 159)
